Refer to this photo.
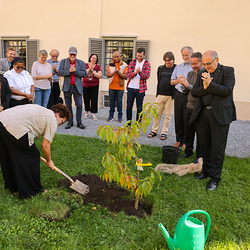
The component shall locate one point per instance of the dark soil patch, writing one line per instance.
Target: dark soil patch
(109, 195)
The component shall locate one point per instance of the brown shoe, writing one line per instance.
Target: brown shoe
(177, 144)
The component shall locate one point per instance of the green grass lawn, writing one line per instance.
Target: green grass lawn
(86, 228)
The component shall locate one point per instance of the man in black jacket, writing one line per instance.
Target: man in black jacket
(214, 111)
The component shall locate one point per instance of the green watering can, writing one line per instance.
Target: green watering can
(189, 233)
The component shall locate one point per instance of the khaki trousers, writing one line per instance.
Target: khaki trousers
(164, 107)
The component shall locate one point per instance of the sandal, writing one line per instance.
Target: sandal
(152, 134)
(163, 136)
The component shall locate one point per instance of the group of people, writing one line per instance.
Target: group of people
(80, 81)
(42, 87)
(203, 104)
(202, 90)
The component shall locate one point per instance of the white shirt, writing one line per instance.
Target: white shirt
(41, 69)
(135, 82)
(19, 81)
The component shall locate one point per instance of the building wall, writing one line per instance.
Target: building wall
(219, 25)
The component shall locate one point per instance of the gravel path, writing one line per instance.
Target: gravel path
(238, 143)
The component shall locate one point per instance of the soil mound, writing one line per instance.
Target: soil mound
(109, 195)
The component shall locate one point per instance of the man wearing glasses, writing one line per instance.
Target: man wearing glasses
(214, 111)
(73, 71)
(190, 129)
(180, 97)
(164, 94)
(55, 89)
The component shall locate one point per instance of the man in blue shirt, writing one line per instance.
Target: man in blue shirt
(181, 94)
(55, 89)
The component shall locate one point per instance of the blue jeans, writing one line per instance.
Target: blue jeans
(42, 96)
(133, 94)
(78, 102)
(115, 95)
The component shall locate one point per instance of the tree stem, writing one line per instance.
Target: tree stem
(136, 201)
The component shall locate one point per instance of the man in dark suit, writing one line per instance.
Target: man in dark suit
(73, 71)
(214, 111)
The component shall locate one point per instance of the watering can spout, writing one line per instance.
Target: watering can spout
(167, 237)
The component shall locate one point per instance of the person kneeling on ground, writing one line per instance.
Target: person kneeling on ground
(19, 156)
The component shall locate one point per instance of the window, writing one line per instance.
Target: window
(25, 48)
(105, 48)
(19, 46)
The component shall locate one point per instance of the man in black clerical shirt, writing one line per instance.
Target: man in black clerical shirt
(214, 111)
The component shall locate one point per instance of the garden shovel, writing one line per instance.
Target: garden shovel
(75, 185)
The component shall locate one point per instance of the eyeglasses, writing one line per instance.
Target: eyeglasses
(168, 60)
(62, 122)
(72, 54)
(18, 67)
(54, 56)
(207, 64)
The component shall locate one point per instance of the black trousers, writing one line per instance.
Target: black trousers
(14, 102)
(190, 135)
(20, 164)
(90, 97)
(54, 95)
(213, 140)
(180, 103)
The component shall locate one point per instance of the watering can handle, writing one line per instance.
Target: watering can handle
(201, 212)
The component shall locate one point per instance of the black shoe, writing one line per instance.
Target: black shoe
(212, 185)
(69, 125)
(200, 176)
(185, 156)
(80, 125)
(196, 160)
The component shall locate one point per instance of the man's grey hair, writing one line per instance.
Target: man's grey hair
(190, 49)
(43, 52)
(54, 50)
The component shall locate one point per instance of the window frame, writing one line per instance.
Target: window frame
(98, 46)
(31, 48)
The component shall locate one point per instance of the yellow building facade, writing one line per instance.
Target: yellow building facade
(160, 25)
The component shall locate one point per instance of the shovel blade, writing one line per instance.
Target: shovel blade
(80, 187)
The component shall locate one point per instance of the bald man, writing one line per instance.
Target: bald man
(55, 89)
(214, 111)
(117, 73)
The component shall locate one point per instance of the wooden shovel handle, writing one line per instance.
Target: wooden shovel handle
(58, 170)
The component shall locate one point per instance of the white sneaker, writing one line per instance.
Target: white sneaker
(94, 118)
(85, 116)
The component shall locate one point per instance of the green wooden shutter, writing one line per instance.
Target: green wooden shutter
(142, 44)
(97, 46)
(32, 51)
